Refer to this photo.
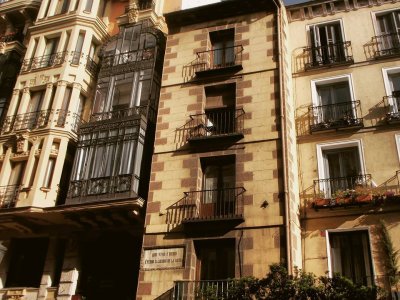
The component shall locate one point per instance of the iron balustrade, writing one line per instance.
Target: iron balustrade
(128, 57)
(325, 55)
(77, 121)
(216, 122)
(212, 204)
(203, 289)
(45, 61)
(109, 186)
(341, 187)
(76, 57)
(386, 44)
(219, 58)
(27, 121)
(9, 196)
(337, 115)
(119, 114)
(92, 67)
(392, 105)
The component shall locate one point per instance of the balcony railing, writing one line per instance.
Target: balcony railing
(218, 59)
(9, 195)
(207, 205)
(335, 116)
(342, 191)
(386, 45)
(128, 57)
(328, 55)
(204, 289)
(392, 105)
(45, 61)
(18, 36)
(92, 67)
(216, 123)
(41, 120)
(119, 114)
(108, 187)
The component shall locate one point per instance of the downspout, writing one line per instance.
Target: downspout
(284, 137)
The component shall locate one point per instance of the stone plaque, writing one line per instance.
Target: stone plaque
(163, 258)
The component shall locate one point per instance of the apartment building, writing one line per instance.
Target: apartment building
(219, 179)
(76, 145)
(345, 67)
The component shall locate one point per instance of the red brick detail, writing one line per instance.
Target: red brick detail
(164, 111)
(244, 157)
(247, 131)
(157, 166)
(169, 70)
(247, 243)
(244, 100)
(200, 37)
(246, 176)
(150, 195)
(155, 185)
(247, 270)
(171, 55)
(149, 240)
(153, 207)
(248, 116)
(186, 274)
(165, 77)
(246, 56)
(196, 91)
(244, 43)
(275, 174)
(166, 96)
(144, 288)
(204, 43)
(242, 29)
(201, 49)
(168, 50)
(161, 141)
(194, 107)
(189, 182)
(153, 176)
(273, 127)
(244, 84)
(148, 220)
(161, 104)
(141, 276)
(171, 43)
(162, 126)
(248, 199)
(190, 163)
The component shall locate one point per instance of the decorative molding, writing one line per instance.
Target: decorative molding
(133, 12)
(21, 143)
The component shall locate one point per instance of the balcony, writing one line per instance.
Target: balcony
(328, 55)
(343, 191)
(102, 189)
(92, 67)
(386, 45)
(117, 63)
(41, 120)
(12, 37)
(224, 123)
(9, 196)
(342, 115)
(207, 207)
(217, 61)
(392, 105)
(204, 289)
(45, 61)
(120, 114)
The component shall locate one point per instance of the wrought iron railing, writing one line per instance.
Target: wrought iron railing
(334, 53)
(216, 123)
(128, 57)
(343, 190)
(386, 45)
(9, 195)
(338, 115)
(76, 57)
(212, 204)
(108, 186)
(92, 67)
(119, 114)
(40, 120)
(392, 105)
(45, 61)
(18, 36)
(203, 289)
(219, 58)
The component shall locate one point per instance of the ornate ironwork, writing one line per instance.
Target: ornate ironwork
(386, 45)
(119, 114)
(92, 67)
(28, 121)
(9, 196)
(216, 123)
(203, 289)
(219, 58)
(334, 116)
(76, 57)
(213, 204)
(45, 61)
(392, 105)
(327, 55)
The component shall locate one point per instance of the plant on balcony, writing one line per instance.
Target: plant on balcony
(343, 197)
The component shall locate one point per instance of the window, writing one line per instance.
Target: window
(327, 44)
(49, 172)
(17, 173)
(392, 85)
(223, 54)
(78, 49)
(27, 262)
(62, 7)
(340, 166)
(219, 182)
(388, 26)
(88, 6)
(50, 50)
(215, 259)
(350, 255)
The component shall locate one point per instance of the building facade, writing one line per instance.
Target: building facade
(345, 81)
(216, 205)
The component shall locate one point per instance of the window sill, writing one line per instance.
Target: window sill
(45, 189)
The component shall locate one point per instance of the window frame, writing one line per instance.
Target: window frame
(308, 29)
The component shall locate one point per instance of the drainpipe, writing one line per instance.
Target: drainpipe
(284, 137)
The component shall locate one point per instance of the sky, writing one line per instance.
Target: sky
(194, 3)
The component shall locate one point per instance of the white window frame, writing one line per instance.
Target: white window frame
(329, 80)
(338, 145)
(374, 14)
(328, 247)
(308, 26)
(386, 72)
